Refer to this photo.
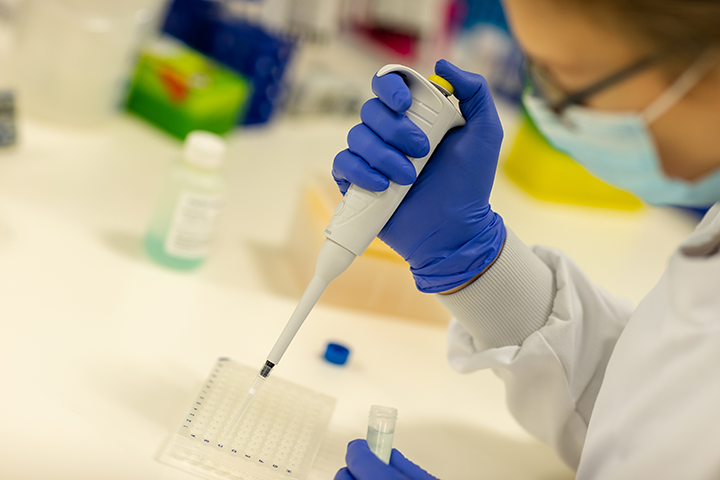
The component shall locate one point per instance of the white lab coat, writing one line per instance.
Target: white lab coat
(619, 393)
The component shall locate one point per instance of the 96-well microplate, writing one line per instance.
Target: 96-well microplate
(277, 438)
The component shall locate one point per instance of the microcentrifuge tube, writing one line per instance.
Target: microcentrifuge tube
(380, 432)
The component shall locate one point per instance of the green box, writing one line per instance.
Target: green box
(180, 90)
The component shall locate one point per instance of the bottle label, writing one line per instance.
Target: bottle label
(193, 225)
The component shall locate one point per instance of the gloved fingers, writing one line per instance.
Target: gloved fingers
(472, 91)
(392, 91)
(342, 184)
(380, 156)
(349, 168)
(365, 465)
(395, 129)
(408, 468)
(466, 84)
(344, 474)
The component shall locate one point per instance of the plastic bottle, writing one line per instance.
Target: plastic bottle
(186, 215)
(381, 430)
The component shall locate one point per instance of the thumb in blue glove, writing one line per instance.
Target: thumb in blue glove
(362, 464)
(444, 228)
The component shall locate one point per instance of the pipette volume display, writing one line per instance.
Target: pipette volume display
(361, 214)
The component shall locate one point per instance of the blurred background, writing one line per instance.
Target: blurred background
(106, 339)
(243, 69)
(299, 57)
(258, 73)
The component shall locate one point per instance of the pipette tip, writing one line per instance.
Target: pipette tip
(259, 380)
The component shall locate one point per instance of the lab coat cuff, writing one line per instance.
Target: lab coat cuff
(509, 302)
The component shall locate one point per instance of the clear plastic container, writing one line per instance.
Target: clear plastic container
(185, 219)
(381, 430)
(75, 56)
(276, 439)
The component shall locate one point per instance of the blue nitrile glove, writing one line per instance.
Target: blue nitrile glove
(362, 464)
(444, 228)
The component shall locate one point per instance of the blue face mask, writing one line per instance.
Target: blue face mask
(618, 146)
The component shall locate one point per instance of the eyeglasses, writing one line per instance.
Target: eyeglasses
(543, 83)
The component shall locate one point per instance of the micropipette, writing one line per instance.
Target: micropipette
(361, 214)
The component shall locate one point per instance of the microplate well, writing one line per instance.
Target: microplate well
(277, 438)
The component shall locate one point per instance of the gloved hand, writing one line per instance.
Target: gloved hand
(444, 228)
(362, 464)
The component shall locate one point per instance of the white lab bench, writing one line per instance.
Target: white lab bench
(102, 351)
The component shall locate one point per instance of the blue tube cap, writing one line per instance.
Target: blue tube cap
(336, 353)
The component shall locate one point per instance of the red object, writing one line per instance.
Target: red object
(175, 83)
(401, 43)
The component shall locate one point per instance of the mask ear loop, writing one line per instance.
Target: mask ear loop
(682, 86)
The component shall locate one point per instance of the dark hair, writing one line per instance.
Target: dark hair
(681, 27)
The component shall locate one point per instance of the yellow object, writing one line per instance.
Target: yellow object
(442, 82)
(379, 281)
(548, 174)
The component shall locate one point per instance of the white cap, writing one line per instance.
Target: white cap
(204, 149)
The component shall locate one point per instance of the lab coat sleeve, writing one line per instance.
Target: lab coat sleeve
(547, 331)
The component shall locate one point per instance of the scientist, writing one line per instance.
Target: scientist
(631, 90)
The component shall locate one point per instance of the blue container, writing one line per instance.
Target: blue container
(251, 50)
(485, 11)
(191, 22)
(260, 56)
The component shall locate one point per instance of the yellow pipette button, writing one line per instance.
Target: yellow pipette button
(442, 83)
